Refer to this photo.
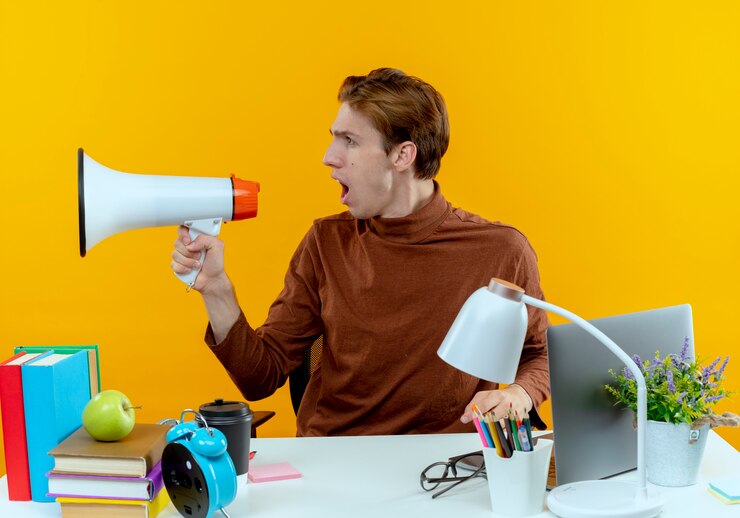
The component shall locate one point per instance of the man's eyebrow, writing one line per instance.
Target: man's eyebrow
(343, 133)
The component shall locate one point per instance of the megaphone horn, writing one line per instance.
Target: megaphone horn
(111, 201)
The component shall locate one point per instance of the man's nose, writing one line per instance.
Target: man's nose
(330, 157)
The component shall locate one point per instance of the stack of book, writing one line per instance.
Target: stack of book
(42, 398)
(110, 479)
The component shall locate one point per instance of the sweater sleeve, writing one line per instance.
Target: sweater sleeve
(533, 374)
(259, 361)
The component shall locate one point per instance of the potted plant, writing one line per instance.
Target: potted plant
(680, 397)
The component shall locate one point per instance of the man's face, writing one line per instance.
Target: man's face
(360, 165)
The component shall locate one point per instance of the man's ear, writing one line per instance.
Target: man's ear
(404, 155)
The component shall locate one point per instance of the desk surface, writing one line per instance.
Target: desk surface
(379, 476)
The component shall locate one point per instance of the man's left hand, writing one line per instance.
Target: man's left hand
(499, 402)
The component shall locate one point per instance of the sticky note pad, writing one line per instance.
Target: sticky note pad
(722, 498)
(728, 488)
(272, 472)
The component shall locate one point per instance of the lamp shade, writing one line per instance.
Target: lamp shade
(486, 338)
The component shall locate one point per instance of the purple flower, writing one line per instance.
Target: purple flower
(628, 373)
(707, 371)
(713, 399)
(669, 380)
(718, 374)
(676, 361)
(681, 396)
(684, 349)
(638, 361)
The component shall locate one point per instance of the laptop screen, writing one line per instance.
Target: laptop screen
(593, 438)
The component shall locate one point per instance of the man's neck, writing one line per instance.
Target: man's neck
(412, 196)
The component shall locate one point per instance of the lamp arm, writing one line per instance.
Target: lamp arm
(631, 365)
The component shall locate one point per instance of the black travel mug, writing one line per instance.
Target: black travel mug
(234, 420)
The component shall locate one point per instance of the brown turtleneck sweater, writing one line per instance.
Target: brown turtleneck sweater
(383, 292)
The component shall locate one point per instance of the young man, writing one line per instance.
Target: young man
(381, 282)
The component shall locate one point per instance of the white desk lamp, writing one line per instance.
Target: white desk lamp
(486, 340)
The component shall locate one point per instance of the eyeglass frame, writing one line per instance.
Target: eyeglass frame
(450, 465)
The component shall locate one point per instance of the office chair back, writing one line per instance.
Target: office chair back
(298, 379)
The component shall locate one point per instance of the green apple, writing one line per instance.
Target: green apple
(109, 416)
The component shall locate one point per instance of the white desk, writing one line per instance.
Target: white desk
(379, 476)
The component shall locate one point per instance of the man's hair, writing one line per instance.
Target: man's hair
(402, 108)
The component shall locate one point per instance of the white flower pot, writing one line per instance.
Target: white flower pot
(673, 452)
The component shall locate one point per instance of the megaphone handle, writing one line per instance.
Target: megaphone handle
(212, 227)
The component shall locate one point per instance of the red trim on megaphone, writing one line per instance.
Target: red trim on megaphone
(245, 198)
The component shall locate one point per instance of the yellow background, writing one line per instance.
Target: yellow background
(606, 131)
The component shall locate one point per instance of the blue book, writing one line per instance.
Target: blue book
(93, 358)
(56, 389)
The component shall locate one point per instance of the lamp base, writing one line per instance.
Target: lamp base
(603, 498)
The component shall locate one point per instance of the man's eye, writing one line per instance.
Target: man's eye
(349, 140)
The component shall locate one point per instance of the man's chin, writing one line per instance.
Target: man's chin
(357, 213)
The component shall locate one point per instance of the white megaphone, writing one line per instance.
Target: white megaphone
(111, 201)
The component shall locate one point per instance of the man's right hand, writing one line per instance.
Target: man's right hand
(212, 282)
(186, 255)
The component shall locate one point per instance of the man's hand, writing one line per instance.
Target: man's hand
(499, 402)
(212, 282)
(186, 255)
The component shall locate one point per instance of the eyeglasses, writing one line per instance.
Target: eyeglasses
(440, 473)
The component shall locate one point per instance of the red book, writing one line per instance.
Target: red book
(14, 426)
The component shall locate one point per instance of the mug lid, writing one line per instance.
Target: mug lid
(221, 408)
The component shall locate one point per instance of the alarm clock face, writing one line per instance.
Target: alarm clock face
(184, 481)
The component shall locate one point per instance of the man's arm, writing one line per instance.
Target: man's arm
(532, 384)
(222, 308)
(212, 282)
(258, 361)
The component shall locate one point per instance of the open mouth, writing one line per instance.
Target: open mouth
(344, 194)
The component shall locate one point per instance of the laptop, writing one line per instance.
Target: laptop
(593, 438)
